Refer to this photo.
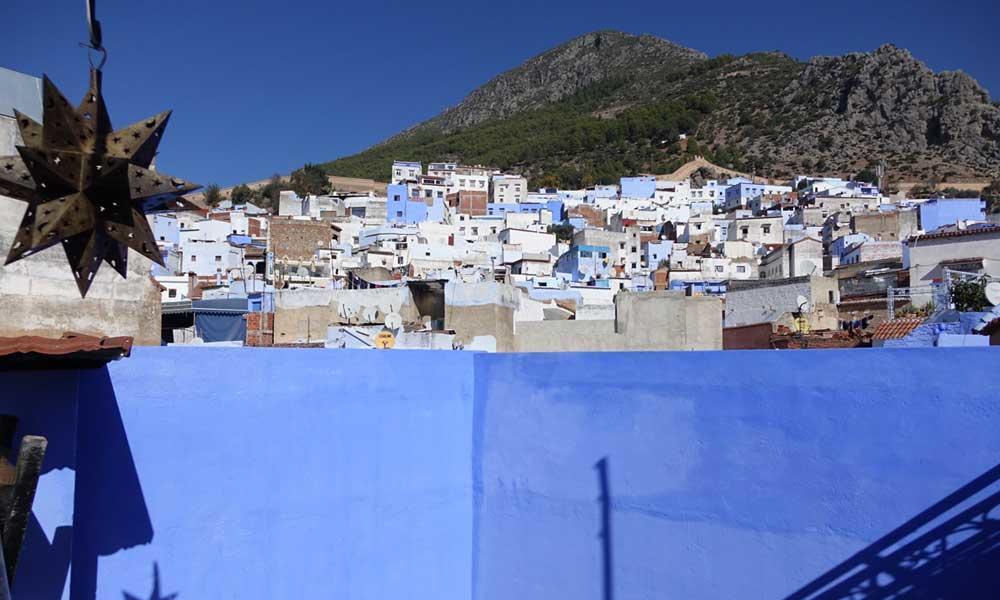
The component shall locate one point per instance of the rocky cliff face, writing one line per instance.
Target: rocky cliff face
(888, 104)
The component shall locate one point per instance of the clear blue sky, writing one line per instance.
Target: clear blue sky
(262, 87)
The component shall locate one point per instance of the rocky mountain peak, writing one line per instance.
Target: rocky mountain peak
(563, 71)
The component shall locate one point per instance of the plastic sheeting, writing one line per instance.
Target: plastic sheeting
(220, 320)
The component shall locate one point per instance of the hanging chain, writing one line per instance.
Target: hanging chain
(96, 43)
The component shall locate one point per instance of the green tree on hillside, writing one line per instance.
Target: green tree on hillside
(991, 195)
(867, 175)
(241, 194)
(268, 195)
(213, 195)
(310, 179)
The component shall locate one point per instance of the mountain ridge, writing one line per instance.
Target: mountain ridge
(605, 101)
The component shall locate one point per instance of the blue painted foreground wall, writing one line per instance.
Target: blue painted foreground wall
(267, 473)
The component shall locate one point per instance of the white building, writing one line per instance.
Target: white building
(533, 242)
(509, 189)
(405, 171)
(207, 258)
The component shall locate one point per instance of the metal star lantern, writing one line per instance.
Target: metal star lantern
(88, 186)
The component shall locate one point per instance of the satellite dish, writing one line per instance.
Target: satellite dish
(393, 321)
(802, 303)
(993, 293)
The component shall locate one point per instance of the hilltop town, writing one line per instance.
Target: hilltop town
(628, 321)
(453, 256)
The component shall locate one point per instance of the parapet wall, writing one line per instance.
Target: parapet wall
(456, 475)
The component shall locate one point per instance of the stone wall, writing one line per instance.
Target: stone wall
(293, 239)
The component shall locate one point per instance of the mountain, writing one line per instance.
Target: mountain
(608, 104)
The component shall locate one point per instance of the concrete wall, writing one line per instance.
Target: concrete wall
(664, 320)
(750, 302)
(720, 486)
(38, 294)
(484, 310)
(358, 474)
(304, 314)
(279, 483)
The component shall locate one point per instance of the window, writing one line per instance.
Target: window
(621, 246)
(741, 269)
(634, 249)
(766, 229)
(395, 197)
(604, 254)
(172, 293)
(830, 294)
(585, 254)
(719, 268)
(218, 259)
(633, 265)
(399, 260)
(399, 213)
(194, 258)
(745, 231)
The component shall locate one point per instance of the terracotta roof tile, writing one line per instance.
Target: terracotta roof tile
(69, 351)
(897, 328)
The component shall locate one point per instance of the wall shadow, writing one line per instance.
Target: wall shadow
(607, 562)
(932, 555)
(110, 511)
(45, 404)
(156, 594)
(44, 566)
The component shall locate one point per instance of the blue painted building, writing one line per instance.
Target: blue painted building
(657, 251)
(584, 264)
(404, 205)
(502, 208)
(941, 212)
(472, 476)
(638, 187)
(740, 194)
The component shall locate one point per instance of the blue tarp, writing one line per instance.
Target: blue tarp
(220, 320)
